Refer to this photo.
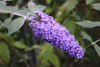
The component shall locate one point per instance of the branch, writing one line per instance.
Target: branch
(9, 45)
(93, 43)
(13, 13)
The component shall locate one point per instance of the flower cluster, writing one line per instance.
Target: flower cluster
(46, 28)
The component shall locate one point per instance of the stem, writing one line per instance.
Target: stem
(13, 13)
(9, 45)
(92, 43)
(95, 41)
(88, 46)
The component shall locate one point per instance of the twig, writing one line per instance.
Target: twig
(33, 47)
(92, 43)
(13, 13)
(95, 41)
(9, 45)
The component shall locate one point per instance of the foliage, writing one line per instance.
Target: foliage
(88, 24)
(15, 25)
(96, 6)
(47, 55)
(4, 52)
(80, 17)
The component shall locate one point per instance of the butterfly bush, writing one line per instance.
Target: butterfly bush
(46, 28)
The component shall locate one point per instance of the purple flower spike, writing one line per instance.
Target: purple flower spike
(31, 18)
(46, 28)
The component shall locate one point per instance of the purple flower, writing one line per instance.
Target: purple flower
(46, 28)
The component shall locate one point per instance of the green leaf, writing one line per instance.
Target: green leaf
(6, 23)
(85, 35)
(23, 12)
(19, 44)
(60, 52)
(89, 1)
(33, 47)
(3, 6)
(68, 6)
(97, 49)
(48, 1)
(46, 52)
(88, 24)
(15, 25)
(8, 0)
(4, 52)
(33, 7)
(70, 24)
(12, 8)
(48, 10)
(96, 6)
(7, 8)
(54, 60)
(0, 24)
(9, 39)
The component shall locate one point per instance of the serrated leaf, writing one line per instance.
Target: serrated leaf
(96, 6)
(19, 44)
(85, 35)
(88, 24)
(4, 52)
(97, 48)
(33, 7)
(89, 1)
(54, 60)
(15, 25)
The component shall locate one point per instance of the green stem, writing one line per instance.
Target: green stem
(92, 43)
(13, 13)
(88, 46)
(95, 41)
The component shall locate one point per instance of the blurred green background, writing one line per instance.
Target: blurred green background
(23, 49)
